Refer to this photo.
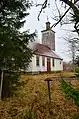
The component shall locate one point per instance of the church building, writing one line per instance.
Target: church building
(44, 55)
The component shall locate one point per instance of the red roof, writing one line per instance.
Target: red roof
(43, 50)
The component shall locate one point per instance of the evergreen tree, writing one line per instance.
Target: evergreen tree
(14, 53)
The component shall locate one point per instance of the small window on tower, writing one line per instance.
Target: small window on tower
(37, 60)
(60, 62)
(53, 63)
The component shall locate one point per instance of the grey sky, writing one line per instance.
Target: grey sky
(32, 23)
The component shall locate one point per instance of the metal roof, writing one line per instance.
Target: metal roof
(43, 50)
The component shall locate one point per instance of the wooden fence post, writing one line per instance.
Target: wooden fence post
(49, 94)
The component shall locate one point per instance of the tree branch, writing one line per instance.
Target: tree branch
(44, 5)
(61, 18)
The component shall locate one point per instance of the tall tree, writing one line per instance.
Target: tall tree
(14, 53)
(72, 7)
(73, 4)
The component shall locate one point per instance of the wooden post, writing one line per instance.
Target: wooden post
(1, 83)
(49, 94)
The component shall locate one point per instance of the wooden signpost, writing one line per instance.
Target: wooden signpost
(48, 80)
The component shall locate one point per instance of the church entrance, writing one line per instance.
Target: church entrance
(48, 64)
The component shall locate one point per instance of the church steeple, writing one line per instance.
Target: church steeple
(48, 36)
(48, 26)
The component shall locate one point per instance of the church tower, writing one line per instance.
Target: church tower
(48, 37)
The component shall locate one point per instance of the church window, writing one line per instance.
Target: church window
(43, 61)
(37, 60)
(53, 63)
(60, 62)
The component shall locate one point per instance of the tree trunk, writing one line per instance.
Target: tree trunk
(1, 83)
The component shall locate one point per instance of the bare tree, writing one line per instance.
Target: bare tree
(72, 5)
(73, 46)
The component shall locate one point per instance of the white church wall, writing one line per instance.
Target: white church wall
(58, 66)
(43, 68)
(40, 67)
(33, 68)
(61, 65)
(30, 68)
(52, 68)
(45, 63)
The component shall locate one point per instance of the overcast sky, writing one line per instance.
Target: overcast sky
(32, 23)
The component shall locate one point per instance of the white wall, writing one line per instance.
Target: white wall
(57, 66)
(34, 68)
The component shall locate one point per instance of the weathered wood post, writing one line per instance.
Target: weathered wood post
(1, 83)
(49, 94)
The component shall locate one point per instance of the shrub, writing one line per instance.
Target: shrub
(77, 69)
(28, 115)
(70, 92)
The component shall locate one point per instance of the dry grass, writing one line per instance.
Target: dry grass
(33, 96)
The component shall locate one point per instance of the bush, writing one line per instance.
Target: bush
(77, 74)
(28, 115)
(76, 69)
(70, 92)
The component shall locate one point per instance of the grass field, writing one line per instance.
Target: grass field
(31, 100)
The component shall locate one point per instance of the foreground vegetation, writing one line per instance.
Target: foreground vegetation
(31, 100)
